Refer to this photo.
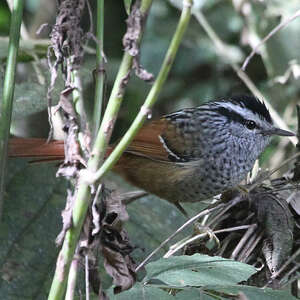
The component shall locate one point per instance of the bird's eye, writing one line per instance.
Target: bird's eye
(250, 124)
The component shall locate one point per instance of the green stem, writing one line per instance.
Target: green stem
(82, 196)
(79, 108)
(78, 99)
(8, 90)
(72, 278)
(65, 256)
(113, 106)
(82, 201)
(110, 115)
(78, 103)
(153, 94)
(100, 73)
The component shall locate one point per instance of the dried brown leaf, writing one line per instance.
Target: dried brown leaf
(131, 43)
(275, 218)
(66, 218)
(120, 267)
(115, 245)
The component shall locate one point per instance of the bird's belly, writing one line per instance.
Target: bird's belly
(211, 179)
(181, 183)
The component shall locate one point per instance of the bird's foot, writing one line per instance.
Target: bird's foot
(243, 189)
(200, 229)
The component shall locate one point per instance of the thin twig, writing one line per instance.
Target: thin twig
(218, 216)
(225, 243)
(235, 228)
(276, 274)
(222, 50)
(251, 248)
(243, 254)
(8, 91)
(288, 188)
(296, 171)
(72, 277)
(202, 235)
(268, 36)
(294, 278)
(254, 185)
(87, 282)
(100, 71)
(190, 221)
(288, 274)
(242, 241)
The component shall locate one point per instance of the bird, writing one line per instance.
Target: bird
(189, 155)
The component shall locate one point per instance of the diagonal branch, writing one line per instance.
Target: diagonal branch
(268, 36)
(8, 90)
(145, 110)
(222, 50)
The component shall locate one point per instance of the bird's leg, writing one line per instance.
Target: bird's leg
(181, 209)
(243, 189)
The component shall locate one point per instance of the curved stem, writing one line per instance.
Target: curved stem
(190, 221)
(222, 50)
(145, 110)
(114, 103)
(100, 72)
(8, 90)
(82, 196)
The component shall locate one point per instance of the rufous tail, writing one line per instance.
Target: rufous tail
(38, 148)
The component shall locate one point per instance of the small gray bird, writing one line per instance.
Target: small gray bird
(197, 153)
(189, 155)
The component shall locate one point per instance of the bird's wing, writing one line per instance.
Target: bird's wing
(161, 140)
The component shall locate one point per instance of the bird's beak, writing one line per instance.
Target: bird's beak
(278, 131)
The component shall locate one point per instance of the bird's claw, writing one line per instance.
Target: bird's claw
(243, 189)
(198, 229)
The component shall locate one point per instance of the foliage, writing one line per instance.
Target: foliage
(34, 197)
(197, 276)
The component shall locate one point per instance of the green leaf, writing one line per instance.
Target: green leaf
(149, 292)
(198, 270)
(195, 293)
(30, 98)
(141, 291)
(127, 4)
(254, 293)
(31, 221)
(30, 110)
